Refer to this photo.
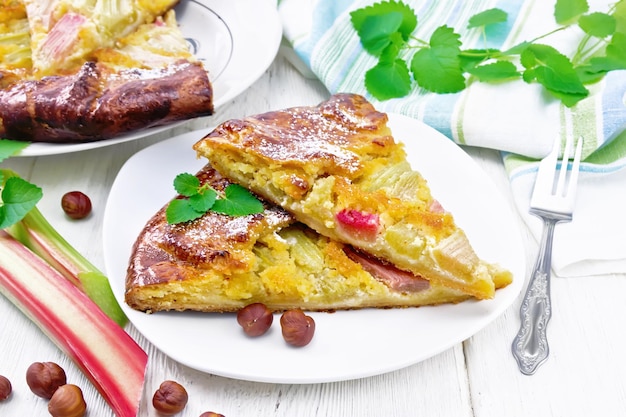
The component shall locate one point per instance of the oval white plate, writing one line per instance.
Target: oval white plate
(347, 344)
(236, 41)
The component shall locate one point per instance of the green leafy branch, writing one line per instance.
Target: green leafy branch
(197, 199)
(440, 65)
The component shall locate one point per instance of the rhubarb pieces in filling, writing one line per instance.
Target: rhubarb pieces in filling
(120, 66)
(220, 263)
(337, 168)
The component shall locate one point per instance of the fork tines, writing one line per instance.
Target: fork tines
(555, 190)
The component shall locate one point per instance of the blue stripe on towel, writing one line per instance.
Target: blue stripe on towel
(613, 99)
(439, 109)
(324, 15)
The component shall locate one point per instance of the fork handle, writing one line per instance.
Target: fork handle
(530, 346)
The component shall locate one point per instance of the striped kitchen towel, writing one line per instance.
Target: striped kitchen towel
(517, 118)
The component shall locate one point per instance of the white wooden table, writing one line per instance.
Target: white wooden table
(585, 374)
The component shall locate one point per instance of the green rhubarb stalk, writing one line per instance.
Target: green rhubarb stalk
(34, 231)
(108, 356)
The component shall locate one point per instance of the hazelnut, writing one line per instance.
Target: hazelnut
(255, 319)
(67, 401)
(76, 205)
(170, 398)
(43, 378)
(298, 328)
(5, 388)
(211, 414)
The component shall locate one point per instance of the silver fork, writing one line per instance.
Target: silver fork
(553, 201)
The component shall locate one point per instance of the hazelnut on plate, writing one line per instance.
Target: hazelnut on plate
(298, 328)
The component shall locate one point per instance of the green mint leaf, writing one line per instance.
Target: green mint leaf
(438, 68)
(616, 49)
(181, 211)
(495, 71)
(408, 22)
(442, 67)
(516, 49)
(488, 17)
(376, 32)
(566, 98)
(552, 69)
(391, 52)
(469, 58)
(11, 147)
(186, 184)
(596, 69)
(529, 75)
(619, 14)
(597, 24)
(615, 59)
(18, 198)
(598, 66)
(388, 80)
(567, 11)
(203, 202)
(555, 72)
(237, 201)
(390, 77)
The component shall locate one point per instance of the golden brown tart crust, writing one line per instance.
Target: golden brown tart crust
(328, 137)
(96, 103)
(220, 264)
(214, 241)
(113, 80)
(338, 169)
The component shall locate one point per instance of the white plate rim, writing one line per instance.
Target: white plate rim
(323, 360)
(256, 32)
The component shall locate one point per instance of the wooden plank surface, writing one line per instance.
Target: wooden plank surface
(584, 376)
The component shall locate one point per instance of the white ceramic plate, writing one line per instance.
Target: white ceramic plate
(347, 345)
(236, 41)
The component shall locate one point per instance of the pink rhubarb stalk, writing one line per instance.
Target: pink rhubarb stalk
(35, 232)
(38, 235)
(108, 356)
